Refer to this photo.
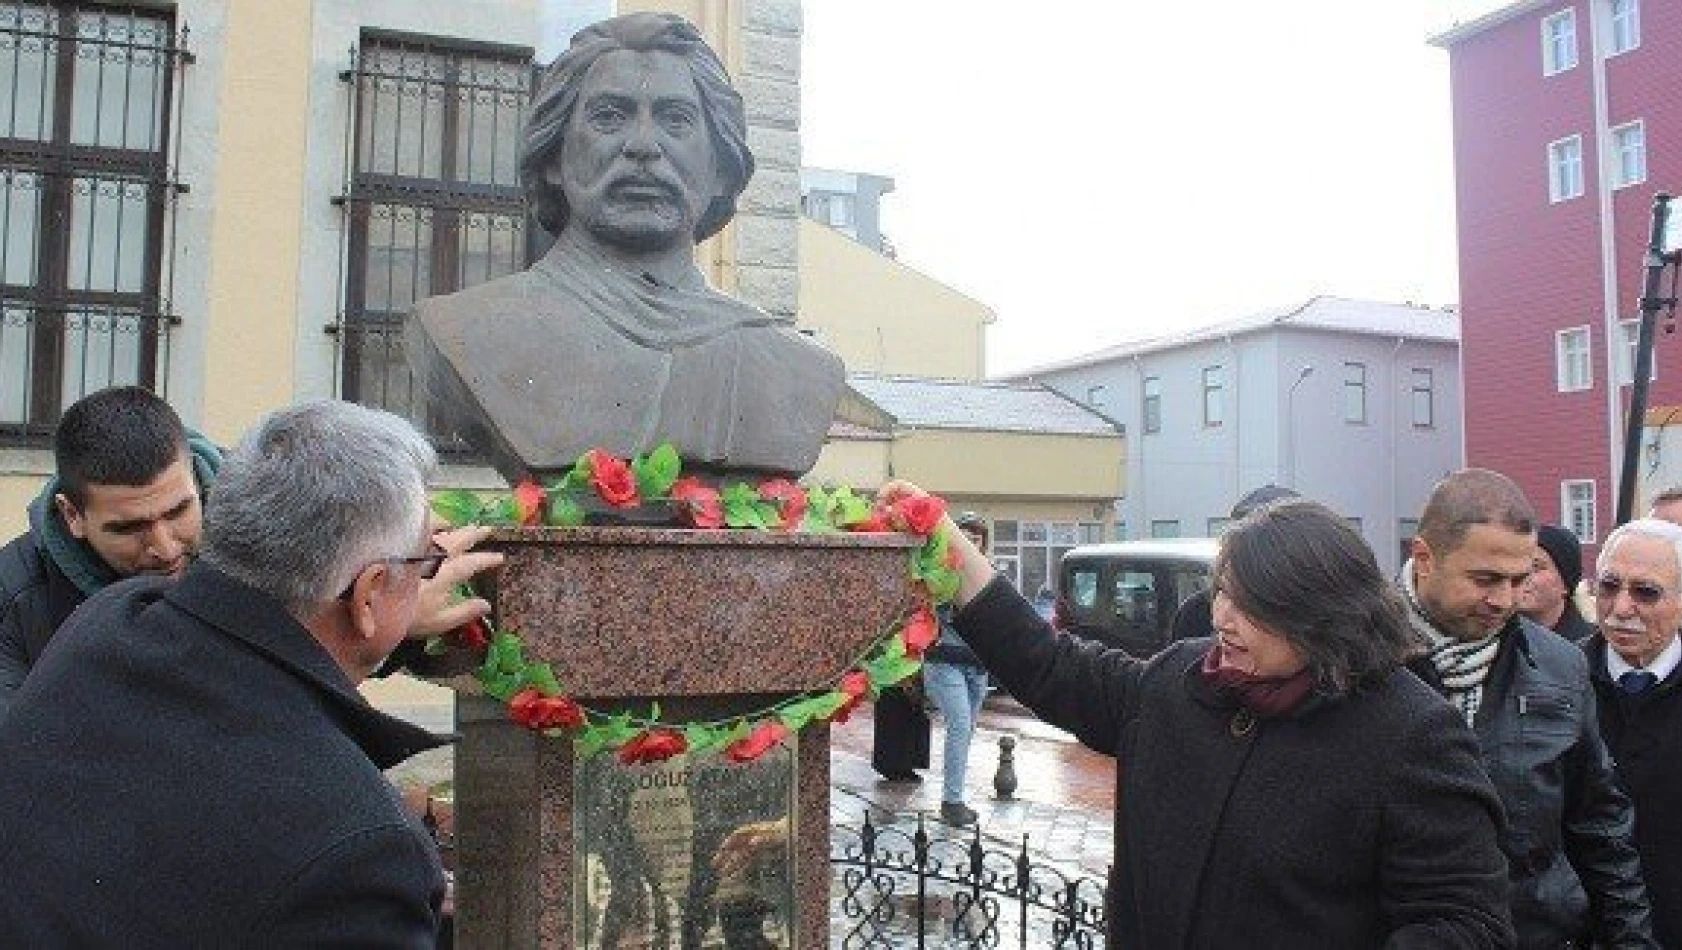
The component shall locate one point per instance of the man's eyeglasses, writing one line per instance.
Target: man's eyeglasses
(1642, 592)
(429, 563)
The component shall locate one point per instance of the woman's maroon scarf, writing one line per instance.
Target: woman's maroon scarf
(1265, 696)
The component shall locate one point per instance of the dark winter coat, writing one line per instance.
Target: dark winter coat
(46, 573)
(1644, 735)
(188, 768)
(1358, 821)
(1573, 625)
(1569, 828)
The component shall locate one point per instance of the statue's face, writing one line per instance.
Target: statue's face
(637, 164)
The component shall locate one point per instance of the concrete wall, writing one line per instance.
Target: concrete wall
(881, 316)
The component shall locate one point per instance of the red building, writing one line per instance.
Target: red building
(1567, 119)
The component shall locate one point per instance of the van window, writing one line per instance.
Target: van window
(1135, 598)
(1083, 588)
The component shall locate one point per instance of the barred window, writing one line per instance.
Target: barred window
(433, 201)
(86, 194)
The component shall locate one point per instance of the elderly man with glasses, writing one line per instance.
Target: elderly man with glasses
(1633, 662)
(191, 764)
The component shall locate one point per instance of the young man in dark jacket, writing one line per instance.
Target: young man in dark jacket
(1633, 661)
(127, 500)
(1525, 692)
(191, 765)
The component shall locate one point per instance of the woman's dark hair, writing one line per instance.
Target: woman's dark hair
(1300, 570)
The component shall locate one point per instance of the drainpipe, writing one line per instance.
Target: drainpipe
(1608, 248)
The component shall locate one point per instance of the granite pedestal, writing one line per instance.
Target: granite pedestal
(712, 625)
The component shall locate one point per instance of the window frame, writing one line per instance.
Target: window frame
(1579, 514)
(1621, 151)
(453, 201)
(1561, 357)
(1551, 66)
(1429, 391)
(1214, 396)
(1561, 163)
(1172, 524)
(1355, 388)
(1150, 405)
(1631, 330)
(1623, 27)
(60, 305)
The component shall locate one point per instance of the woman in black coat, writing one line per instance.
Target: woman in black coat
(1285, 783)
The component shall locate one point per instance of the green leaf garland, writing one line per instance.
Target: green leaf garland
(505, 670)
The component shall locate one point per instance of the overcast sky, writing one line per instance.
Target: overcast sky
(1097, 171)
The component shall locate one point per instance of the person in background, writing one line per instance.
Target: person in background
(1548, 596)
(191, 764)
(1633, 662)
(1525, 692)
(1283, 784)
(1667, 505)
(957, 685)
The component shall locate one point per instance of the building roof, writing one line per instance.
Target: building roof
(1337, 314)
(924, 403)
(1493, 18)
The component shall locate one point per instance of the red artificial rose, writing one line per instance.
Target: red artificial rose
(764, 737)
(698, 503)
(655, 745)
(789, 499)
(613, 480)
(474, 634)
(877, 522)
(855, 686)
(532, 709)
(918, 515)
(529, 497)
(920, 632)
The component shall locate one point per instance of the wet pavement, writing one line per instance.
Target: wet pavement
(1064, 801)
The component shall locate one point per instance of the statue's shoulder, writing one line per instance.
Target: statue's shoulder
(511, 293)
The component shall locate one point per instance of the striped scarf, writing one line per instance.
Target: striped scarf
(1462, 665)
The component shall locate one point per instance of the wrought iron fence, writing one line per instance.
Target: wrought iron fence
(900, 888)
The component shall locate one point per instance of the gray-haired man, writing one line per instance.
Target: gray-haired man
(191, 764)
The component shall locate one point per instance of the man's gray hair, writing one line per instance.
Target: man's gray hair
(312, 495)
(1655, 528)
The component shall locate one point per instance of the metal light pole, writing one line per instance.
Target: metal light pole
(1664, 247)
(1291, 425)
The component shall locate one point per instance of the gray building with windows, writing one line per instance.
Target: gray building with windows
(1350, 402)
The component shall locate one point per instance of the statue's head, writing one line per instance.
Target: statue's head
(636, 132)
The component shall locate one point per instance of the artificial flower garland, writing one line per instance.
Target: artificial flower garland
(534, 696)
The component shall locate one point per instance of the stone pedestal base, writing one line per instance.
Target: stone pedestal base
(713, 625)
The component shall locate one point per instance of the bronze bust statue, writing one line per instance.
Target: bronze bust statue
(635, 150)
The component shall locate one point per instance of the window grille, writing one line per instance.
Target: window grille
(432, 200)
(87, 204)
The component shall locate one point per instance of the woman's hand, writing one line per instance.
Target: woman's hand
(974, 570)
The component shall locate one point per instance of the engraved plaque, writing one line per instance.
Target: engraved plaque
(690, 853)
